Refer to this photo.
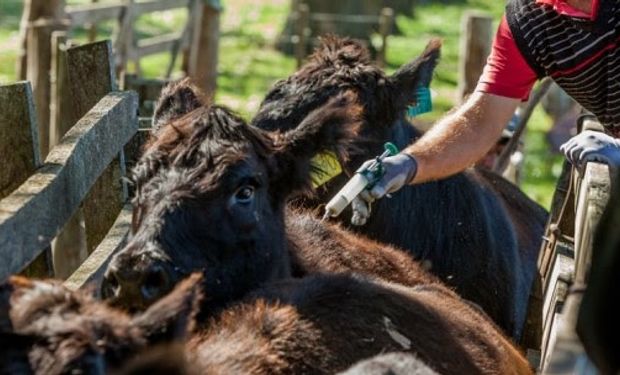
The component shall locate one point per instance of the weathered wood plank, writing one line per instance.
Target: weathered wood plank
(566, 352)
(144, 7)
(33, 10)
(38, 66)
(592, 199)
(386, 20)
(61, 114)
(91, 271)
(19, 143)
(94, 13)
(104, 201)
(91, 76)
(156, 44)
(555, 297)
(34, 213)
(203, 52)
(69, 247)
(475, 46)
(124, 39)
(19, 149)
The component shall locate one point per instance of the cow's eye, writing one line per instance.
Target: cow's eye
(244, 194)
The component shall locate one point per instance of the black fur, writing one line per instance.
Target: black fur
(478, 235)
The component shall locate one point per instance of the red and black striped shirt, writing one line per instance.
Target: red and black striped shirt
(581, 55)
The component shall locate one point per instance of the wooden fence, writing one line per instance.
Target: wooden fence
(82, 173)
(199, 37)
(302, 19)
(42, 19)
(578, 204)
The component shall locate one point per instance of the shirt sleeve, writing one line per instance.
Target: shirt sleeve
(506, 72)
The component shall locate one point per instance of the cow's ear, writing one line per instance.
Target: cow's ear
(329, 128)
(173, 317)
(418, 73)
(176, 99)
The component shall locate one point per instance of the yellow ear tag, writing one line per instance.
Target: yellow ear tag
(328, 166)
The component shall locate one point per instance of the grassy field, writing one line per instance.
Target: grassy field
(249, 64)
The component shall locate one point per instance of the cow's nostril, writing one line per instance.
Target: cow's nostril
(155, 284)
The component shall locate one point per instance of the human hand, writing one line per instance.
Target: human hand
(399, 170)
(592, 146)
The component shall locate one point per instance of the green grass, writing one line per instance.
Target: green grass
(249, 64)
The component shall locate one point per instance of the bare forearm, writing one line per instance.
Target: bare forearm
(461, 138)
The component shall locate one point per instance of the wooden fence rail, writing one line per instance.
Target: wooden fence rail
(580, 200)
(198, 40)
(303, 18)
(32, 215)
(92, 269)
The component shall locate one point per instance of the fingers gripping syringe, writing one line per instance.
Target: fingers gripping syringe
(364, 178)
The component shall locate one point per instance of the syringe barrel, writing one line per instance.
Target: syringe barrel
(345, 196)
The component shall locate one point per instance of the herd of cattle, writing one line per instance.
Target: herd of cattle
(229, 269)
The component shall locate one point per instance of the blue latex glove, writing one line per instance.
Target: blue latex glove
(399, 170)
(592, 146)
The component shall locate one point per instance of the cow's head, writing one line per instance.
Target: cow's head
(46, 328)
(339, 65)
(210, 193)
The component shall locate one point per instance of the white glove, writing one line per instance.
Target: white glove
(399, 170)
(592, 146)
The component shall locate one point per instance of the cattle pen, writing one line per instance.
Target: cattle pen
(84, 170)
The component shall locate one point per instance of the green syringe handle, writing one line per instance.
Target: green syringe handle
(391, 148)
(375, 171)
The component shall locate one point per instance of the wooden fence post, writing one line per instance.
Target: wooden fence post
(70, 243)
(19, 144)
(386, 19)
(92, 28)
(61, 116)
(90, 76)
(38, 73)
(203, 54)
(475, 46)
(301, 30)
(19, 147)
(33, 10)
(124, 43)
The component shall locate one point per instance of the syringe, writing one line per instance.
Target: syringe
(364, 178)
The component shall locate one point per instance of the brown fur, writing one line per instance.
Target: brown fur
(323, 324)
(342, 251)
(319, 324)
(54, 330)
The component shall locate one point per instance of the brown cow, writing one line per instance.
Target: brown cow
(319, 324)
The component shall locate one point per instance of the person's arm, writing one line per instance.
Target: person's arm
(462, 137)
